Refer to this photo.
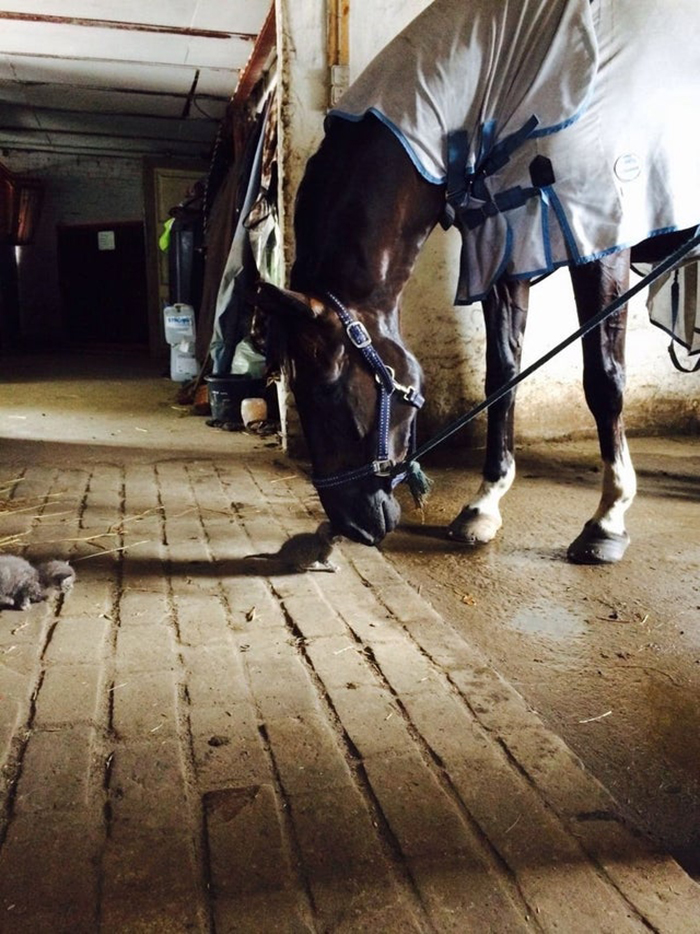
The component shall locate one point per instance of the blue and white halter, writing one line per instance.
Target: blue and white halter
(387, 387)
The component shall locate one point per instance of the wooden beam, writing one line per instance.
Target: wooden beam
(255, 66)
(338, 32)
(126, 27)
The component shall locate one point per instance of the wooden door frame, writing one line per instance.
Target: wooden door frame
(151, 168)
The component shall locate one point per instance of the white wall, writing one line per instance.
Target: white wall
(450, 340)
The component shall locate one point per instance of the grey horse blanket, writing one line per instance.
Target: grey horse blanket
(562, 128)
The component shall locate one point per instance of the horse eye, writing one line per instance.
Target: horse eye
(328, 386)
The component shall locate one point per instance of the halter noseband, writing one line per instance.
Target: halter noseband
(382, 465)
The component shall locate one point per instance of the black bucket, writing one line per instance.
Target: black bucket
(227, 392)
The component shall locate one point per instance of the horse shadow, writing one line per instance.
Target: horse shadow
(216, 569)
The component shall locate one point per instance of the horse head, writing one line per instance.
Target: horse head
(357, 390)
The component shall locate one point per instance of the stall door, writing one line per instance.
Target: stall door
(102, 271)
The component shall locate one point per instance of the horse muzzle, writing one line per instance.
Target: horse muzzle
(361, 515)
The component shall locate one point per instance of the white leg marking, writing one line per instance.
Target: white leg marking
(490, 494)
(619, 488)
(480, 520)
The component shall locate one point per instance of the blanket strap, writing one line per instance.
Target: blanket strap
(677, 363)
(457, 156)
(465, 182)
(500, 154)
(469, 203)
(502, 201)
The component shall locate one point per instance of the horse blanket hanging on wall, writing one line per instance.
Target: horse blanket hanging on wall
(563, 129)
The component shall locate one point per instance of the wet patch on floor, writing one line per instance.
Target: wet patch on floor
(548, 619)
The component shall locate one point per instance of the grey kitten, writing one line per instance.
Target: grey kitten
(22, 584)
(308, 551)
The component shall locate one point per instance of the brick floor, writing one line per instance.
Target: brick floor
(193, 741)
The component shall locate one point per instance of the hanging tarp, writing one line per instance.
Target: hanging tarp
(674, 306)
(217, 239)
(232, 310)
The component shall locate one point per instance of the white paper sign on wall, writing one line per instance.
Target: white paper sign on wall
(105, 240)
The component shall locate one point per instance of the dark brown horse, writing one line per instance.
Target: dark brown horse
(363, 213)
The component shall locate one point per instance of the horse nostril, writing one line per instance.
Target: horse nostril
(391, 511)
(359, 517)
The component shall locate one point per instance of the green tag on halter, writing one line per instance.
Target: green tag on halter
(419, 485)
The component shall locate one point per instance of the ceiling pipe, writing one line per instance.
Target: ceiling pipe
(190, 97)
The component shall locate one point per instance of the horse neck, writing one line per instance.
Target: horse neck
(363, 214)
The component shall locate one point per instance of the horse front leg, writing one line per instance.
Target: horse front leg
(604, 538)
(505, 316)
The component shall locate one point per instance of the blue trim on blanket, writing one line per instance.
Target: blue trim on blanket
(507, 251)
(626, 246)
(546, 270)
(581, 261)
(356, 118)
(557, 127)
(488, 140)
(564, 224)
(545, 198)
(488, 132)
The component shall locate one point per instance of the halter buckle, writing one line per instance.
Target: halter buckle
(410, 394)
(383, 468)
(358, 334)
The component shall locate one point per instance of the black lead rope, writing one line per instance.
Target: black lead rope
(604, 313)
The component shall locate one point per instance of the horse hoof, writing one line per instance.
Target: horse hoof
(473, 527)
(596, 546)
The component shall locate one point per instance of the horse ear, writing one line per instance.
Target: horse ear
(272, 299)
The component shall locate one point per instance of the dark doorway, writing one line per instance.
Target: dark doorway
(102, 271)
(9, 296)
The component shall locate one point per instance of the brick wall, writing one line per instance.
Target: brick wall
(78, 190)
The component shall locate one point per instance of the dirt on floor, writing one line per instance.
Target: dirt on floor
(609, 656)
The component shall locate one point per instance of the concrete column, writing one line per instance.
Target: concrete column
(302, 102)
(303, 75)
